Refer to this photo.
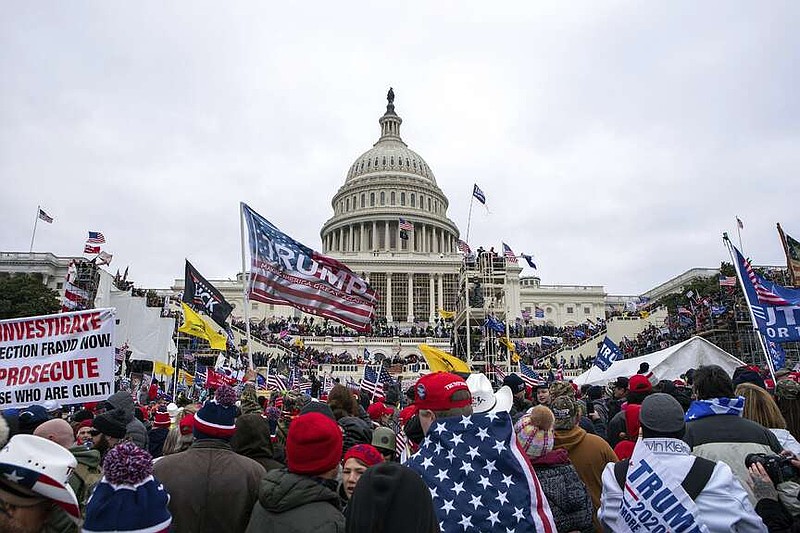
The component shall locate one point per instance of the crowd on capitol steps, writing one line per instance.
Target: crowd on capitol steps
(709, 452)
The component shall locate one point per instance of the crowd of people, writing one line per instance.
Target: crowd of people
(706, 452)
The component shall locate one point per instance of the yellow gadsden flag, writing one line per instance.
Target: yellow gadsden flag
(162, 369)
(194, 325)
(441, 361)
(447, 315)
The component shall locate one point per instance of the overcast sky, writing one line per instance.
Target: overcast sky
(615, 141)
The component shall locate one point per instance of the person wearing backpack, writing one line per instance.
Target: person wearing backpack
(722, 504)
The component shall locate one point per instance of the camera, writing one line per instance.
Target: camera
(778, 468)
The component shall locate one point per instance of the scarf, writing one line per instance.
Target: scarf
(715, 406)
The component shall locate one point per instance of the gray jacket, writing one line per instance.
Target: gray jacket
(137, 433)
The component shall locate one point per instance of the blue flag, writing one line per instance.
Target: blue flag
(478, 477)
(775, 308)
(778, 355)
(529, 259)
(493, 324)
(607, 354)
(478, 193)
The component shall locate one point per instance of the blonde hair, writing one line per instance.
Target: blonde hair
(760, 407)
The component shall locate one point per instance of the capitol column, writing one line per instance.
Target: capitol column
(386, 233)
(374, 244)
(441, 291)
(389, 318)
(410, 297)
(432, 299)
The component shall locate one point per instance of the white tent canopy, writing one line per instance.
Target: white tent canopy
(668, 364)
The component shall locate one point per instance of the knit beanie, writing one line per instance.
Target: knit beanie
(161, 420)
(187, 424)
(217, 418)
(366, 454)
(313, 445)
(128, 498)
(535, 432)
(111, 424)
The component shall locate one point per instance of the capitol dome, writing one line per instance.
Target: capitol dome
(385, 184)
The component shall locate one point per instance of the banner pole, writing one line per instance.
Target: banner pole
(35, 223)
(469, 217)
(761, 340)
(245, 287)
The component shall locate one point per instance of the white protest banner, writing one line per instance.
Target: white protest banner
(653, 499)
(67, 357)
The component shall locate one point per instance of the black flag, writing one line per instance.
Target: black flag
(201, 295)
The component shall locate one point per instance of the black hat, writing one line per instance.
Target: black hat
(514, 382)
(318, 407)
(662, 413)
(111, 424)
(621, 383)
(31, 418)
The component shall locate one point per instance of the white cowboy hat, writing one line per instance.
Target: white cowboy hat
(484, 399)
(33, 469)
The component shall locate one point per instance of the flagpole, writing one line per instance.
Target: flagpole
(35, 223)
(245, 286)
(736, 267)
(469, 216)
(466, 303)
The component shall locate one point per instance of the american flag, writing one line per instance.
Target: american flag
(298, 382)
(371, 383)
(727, 281)
(764, 294)
(405, 225)
(95, 237)
(529, 375)
(498, 372)
(277, 383)
(351, 384)
(44, 216)
(327, 384)
(464, 247)
(478, 194)
(261, 382)
(508, 254)
(478, 477)
(560, 372)
(286, 272)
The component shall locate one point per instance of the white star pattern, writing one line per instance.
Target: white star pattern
(442, 475)
(507, 481)
(490, 467)
(434, 492)
(473, 452)
(458, 488)
(440, 428)
(483, 433)
(493, 517)
(475, 501)
(484, 482)
(501, 497)
(466, 521)
(426, 442)
(457, 439)
(519, 514)
(13, 477)
(437, 449)
(465, 421)
(428, 461)
(447, 506)
(466, 467)
(491, 416)
(450, 455)
(500, 446)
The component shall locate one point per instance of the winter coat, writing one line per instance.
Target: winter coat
(786, 440)
(86, 474)
(776, 517)
(589, 454)
(137, 433)
(252, 439)
(730, 439)
(355, 431)
(211, 487)
(722, 505)
(569, 500)
(155, 441)
(291, 503)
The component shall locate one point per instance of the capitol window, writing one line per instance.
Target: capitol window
(429, 203)
(587, 310)
(412, 200)
(363, 201)
(372, 199)
(421, 202)
(383, 198)
(570, 310)
(402, 198)
(347, 204)
(391, 198)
